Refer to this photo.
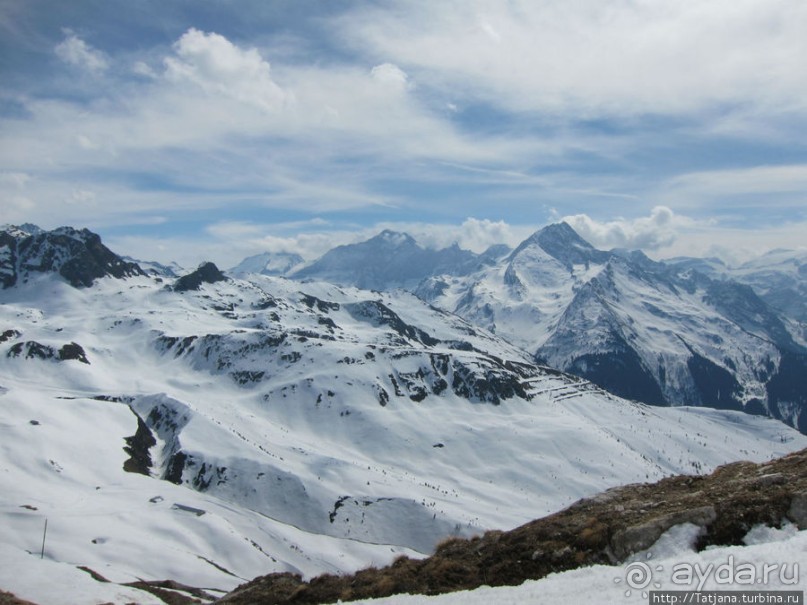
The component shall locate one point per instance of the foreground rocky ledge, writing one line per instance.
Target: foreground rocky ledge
(604, 529)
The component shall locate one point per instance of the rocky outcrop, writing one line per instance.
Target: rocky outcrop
(605, 529)
(207, 273)
(76, 254)
(32, 349)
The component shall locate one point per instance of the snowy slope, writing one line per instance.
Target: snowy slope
(318, 428)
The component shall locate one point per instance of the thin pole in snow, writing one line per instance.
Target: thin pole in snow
(44, 535)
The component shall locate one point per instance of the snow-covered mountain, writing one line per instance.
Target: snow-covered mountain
(687, 332)
(267, 263)
(778, 277)
(389, 260)
(77, 255)
(658, 333)
(211, 429)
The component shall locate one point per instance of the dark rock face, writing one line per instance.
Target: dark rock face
(9, 335)
(73, 351)
(787, 390)
(31, 350)
(608, 370)
(138, 446)
(77, 255)
(716, 385)
(605, 529)
(8, 259)
(35, 350)
(207, 273)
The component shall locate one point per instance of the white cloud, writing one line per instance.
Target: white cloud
(76, 52)
(735, 245)
(473, 234)
(665, 234)
(741, 181)
(595, 57)
(390, 75)
(218, 66)
(659, 230)
(214, 115)
(210, 124)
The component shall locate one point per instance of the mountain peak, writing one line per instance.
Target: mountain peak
(207, 273)
(560, 234)
(561, 229)
(393, 238)
(563, 243)
(23, 230)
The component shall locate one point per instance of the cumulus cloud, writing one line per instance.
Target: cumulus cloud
(76, 52)
(659, 230)
(217, 66)
(472, 234)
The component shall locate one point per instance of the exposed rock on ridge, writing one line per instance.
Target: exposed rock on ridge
(77, 255)
(207, 273)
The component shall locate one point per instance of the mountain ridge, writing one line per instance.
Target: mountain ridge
(270, 425)
(659, 327)
(76, 255)
(662, 334)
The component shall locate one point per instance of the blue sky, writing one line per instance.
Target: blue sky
(183, 130)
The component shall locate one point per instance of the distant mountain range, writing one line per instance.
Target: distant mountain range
(211, 429)
(684, 332)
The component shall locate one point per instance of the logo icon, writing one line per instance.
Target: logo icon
(639, 576)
